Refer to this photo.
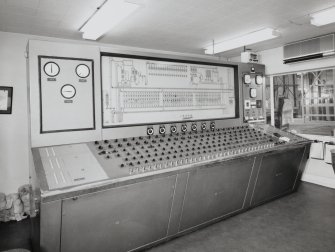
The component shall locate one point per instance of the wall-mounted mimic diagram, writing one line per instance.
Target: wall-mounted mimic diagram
(142, 91)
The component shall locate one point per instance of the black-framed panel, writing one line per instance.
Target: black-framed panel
(205, 63)
(6, 99)
(51, 77)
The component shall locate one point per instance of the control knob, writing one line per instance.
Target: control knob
(150, 131)
(173, 129)
(183, 127)
(194, 127)
(162, 130)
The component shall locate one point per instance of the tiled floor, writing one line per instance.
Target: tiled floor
(303, 221)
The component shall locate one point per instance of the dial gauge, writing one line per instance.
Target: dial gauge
(51, 69)
(259, 79)
(68, 91)
(83, 71)
(253, 92)
(247, 79)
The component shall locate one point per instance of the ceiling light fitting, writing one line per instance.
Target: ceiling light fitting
(109, 15)
(323, 17)
(248, 39)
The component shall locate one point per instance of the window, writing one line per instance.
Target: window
(304, 98)
(319, 95)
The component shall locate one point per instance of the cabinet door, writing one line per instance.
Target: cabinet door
(277, 174)
(118, 219)
(215, 191)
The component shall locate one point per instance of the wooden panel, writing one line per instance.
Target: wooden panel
(215, 191)
(118, 219)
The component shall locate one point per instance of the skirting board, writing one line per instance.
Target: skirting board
(319, 180)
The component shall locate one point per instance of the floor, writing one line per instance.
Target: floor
(303, 221)
(15, 235)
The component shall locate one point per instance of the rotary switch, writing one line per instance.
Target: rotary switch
(162, 130)
(212, 125)
(150, 131)
(194, 127)
(173, 129)
(183, 128)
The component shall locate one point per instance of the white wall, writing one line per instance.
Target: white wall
(273, 61)
(14, 127)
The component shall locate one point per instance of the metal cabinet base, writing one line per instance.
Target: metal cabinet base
(148, 211)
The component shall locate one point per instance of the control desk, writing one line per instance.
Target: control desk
(152, 184)
(135, 155)
(76, 164)
(160, 148)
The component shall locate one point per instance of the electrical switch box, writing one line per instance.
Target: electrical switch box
(253, 92)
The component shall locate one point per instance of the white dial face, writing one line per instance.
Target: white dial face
(68, 91)
(51, 69)
(82, 71)
(253, 92)
(259, 79)
(247, 79)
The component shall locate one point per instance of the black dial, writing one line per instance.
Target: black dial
(150, 131)
(162, 130)
(173, 129)
(183, 128)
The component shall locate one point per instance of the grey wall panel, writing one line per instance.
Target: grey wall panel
(118, 219)
(215, 191)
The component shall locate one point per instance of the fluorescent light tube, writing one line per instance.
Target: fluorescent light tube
(323, 17)
(108, 16)
(248, 39)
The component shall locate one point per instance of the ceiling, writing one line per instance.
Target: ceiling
(174, 25)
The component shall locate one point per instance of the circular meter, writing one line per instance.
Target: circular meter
(83, 71)
(259, 79)
(51, 69)
(247, 79)
(68, 91)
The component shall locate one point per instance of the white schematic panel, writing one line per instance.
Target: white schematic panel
(146, 90)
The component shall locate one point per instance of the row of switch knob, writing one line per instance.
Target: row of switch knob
(191, 160)
(229, 130)
(183, 128)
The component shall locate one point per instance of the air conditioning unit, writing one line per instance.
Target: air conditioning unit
(308, 49)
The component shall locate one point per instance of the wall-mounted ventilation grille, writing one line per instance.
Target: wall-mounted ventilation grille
(309, 49)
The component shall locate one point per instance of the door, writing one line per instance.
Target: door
(216, 190)
(277, 174)
(118, 219)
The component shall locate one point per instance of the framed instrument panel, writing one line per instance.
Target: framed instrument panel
(66, 89)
